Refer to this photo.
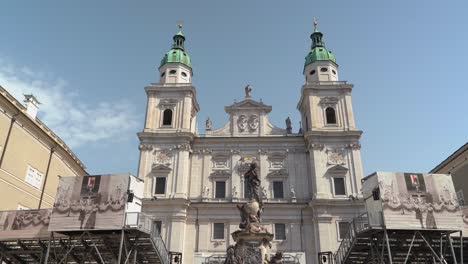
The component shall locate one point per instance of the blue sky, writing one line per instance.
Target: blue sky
(88, 62)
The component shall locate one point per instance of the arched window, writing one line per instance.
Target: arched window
(331, 116)
(172, 72)
(167, 117)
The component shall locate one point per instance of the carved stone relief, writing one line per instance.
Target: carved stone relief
(243, 165)
(163, 156)
(253, 122)
(221, 161)
(250, 123)
(316, 146)
(356, 145)
(143, 147)
(328, 101)
(277, 161)
(167, 103)
(242, 123)
(336, 156)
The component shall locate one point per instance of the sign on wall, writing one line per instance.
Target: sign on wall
(90, 202)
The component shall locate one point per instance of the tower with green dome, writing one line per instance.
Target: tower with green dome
(176, 66)
(320, 63)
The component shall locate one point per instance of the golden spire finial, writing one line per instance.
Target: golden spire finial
(180, 23)
(315, 23)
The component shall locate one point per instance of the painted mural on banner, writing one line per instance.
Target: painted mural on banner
(416, 201)
(90, 202)
(24, 224)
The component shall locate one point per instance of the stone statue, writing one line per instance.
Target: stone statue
(288, 125)
(264, 193)
(293, 192)
(231, 256)
(264, 246)
(205, 191)
(253, 183)
(234, 192)
(248, 91)
(252, 240)
(250, 213)
(208, 124)
(277, 258)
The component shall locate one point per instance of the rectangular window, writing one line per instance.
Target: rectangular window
(342, 229)
(34, 177)
(339, 184)
(278, 192)
(157, 227)
(160, 185)
(218, 230)
(220, 191)
(280, 232)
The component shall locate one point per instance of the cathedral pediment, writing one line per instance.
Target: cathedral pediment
(338, 169)
(161, 168)
(248, 104)
(248, 118)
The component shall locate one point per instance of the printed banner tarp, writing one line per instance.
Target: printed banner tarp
(24, 224)
(90, 202)
(419, 201)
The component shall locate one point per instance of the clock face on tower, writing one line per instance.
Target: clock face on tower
(163, 157)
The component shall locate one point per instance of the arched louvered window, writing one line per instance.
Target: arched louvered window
(167, 117)
(331, 115)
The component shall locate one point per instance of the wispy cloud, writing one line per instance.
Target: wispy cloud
(76, 122)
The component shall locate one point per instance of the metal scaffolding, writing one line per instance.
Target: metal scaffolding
(134, 243)
(364, 243)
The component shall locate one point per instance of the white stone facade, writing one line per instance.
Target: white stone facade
(318, 170)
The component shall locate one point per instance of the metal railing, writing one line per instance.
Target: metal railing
(144, 223)
(356, 226)
(327, 82)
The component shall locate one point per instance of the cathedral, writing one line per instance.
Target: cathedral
(311, 180)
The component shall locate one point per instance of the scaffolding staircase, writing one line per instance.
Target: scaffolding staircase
(364, 243)
(136, 242)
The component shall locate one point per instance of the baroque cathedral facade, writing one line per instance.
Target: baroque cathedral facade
(193, 182)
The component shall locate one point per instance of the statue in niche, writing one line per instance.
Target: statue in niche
(293, 192)
(234, 192)
(205, 192)
(208, 124)
(264, 193)
(288, 125)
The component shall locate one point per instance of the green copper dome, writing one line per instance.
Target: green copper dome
(177, 54)
(318, 52)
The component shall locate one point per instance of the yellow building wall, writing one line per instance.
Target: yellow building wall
(4, 125)
(57, 167)
(27, 146)
(12, 195)
(24, 150)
